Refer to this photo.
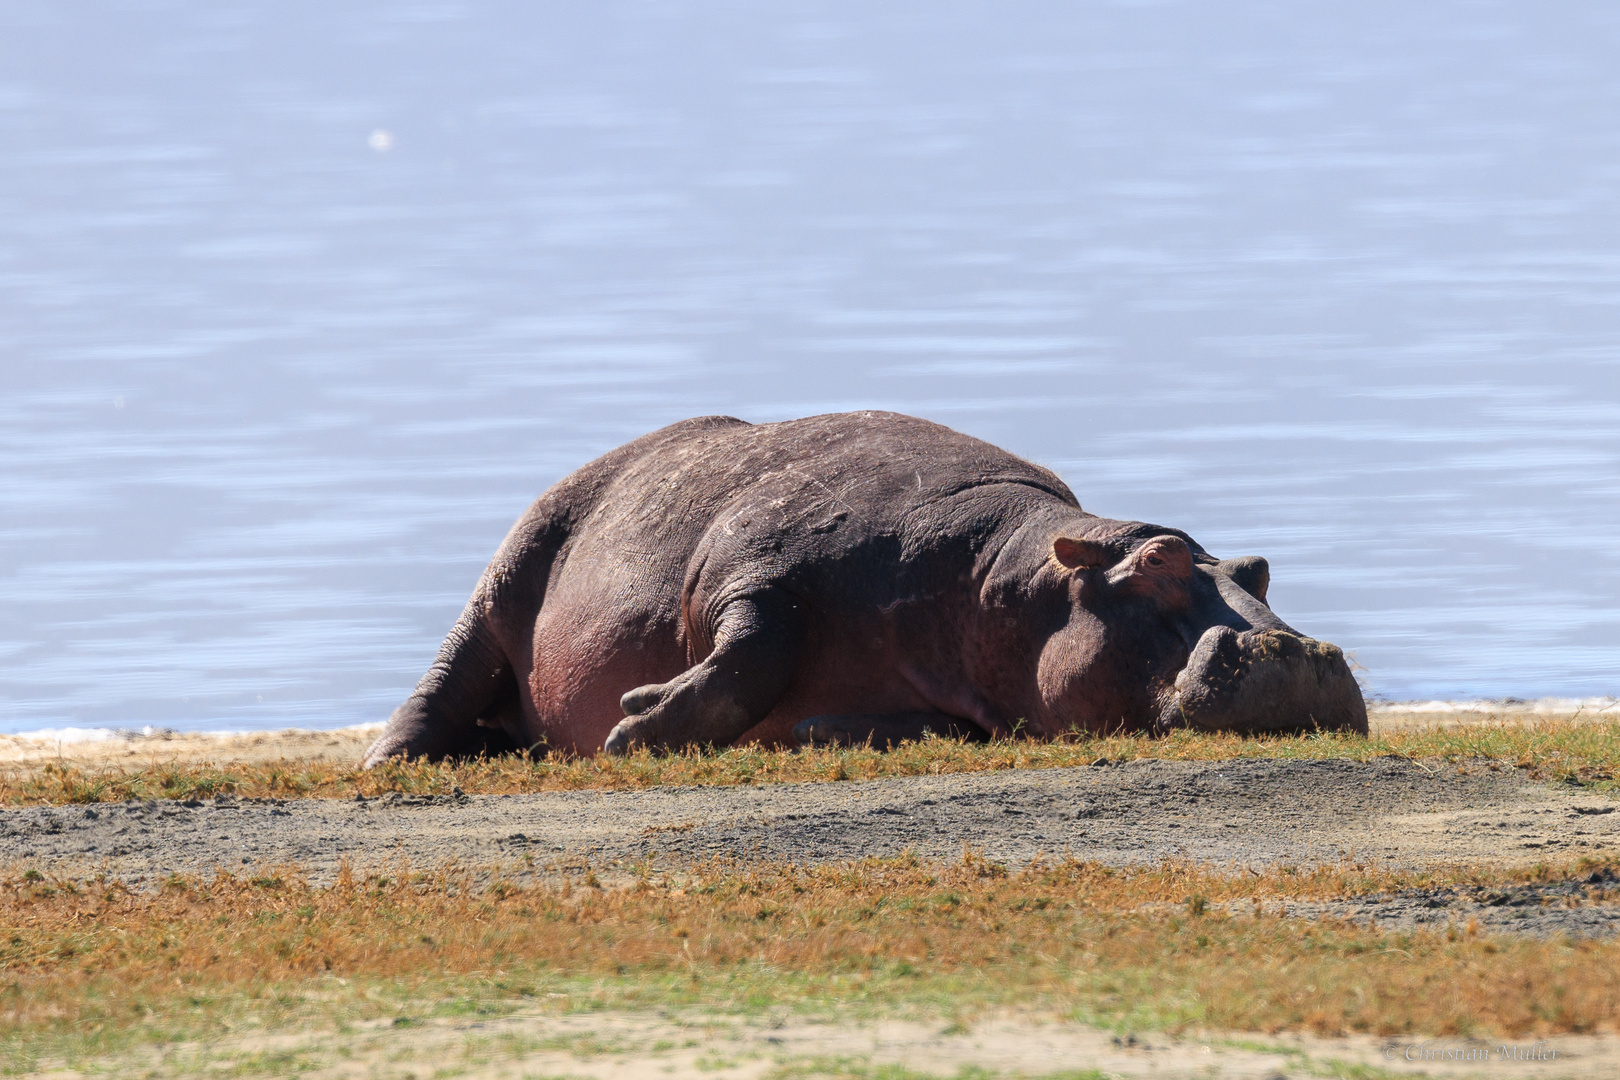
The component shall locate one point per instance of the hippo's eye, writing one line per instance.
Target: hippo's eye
(1154, 560)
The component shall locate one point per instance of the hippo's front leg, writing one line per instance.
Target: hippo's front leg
(756, 649)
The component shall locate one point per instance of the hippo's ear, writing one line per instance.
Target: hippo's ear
(1251, 572)
(1081, 554)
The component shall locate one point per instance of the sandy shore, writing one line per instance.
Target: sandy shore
(137, 749)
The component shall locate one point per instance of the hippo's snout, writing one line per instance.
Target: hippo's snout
(1264, 680)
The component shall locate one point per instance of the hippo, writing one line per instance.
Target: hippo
(849, 578)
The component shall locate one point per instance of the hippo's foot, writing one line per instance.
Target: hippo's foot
(484, 742)
(884, 732)
(756, 647)
(686, 711)
(418, 730)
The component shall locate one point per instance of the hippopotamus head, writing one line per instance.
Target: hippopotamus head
(1160, 634)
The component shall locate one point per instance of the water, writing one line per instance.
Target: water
(301, 304)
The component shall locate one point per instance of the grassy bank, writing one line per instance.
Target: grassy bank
(90, 967)
(1584, 753)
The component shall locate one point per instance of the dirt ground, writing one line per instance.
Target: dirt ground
(1229, 813)
(539, 1044)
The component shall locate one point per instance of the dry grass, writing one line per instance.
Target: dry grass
(99, 962)
(1580, 752)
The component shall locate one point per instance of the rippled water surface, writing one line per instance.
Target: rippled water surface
(301, 304)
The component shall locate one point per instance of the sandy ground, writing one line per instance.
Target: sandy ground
(685, 1047)
(135, 749)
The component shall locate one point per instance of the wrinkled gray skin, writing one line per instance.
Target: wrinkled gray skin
(851, 577)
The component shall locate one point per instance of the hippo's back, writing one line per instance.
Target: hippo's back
(872, 469)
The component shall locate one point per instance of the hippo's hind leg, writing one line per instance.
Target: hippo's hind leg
(884, 732)
(459, 707)
(756, 649)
